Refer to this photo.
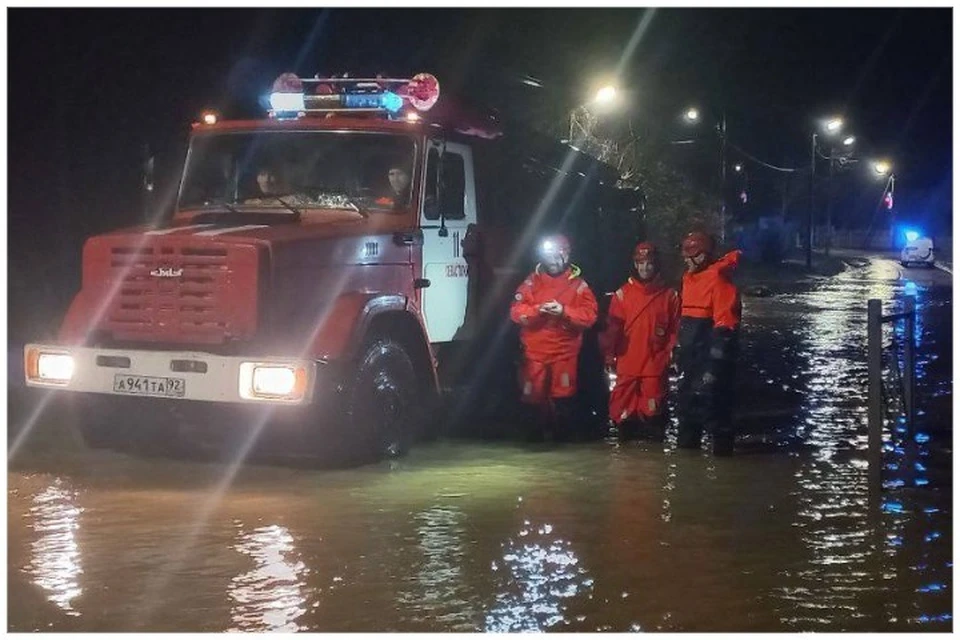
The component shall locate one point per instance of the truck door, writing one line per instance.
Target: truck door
(450, 204)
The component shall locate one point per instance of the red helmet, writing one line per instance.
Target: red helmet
(696, 243)
(646, 252)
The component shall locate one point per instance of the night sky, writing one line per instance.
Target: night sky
(87, 88)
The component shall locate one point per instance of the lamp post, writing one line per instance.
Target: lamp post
(832, 126)
(692, 116)
(828, 242)
(885, 169)
(584, 117)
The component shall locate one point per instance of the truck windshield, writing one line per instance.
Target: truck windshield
(280, 170)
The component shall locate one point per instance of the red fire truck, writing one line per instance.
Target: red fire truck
(315, 275)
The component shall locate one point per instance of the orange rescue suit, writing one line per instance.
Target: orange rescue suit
(640, 335)
(551, 344)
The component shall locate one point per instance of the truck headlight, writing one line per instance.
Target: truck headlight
(52, 368)
(259, 381)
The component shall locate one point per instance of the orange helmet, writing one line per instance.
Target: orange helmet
(696, 243)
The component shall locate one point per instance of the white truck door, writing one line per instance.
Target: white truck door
(444, 221)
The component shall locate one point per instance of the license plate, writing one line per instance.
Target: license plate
(149, 386)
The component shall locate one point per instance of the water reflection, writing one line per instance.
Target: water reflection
(271, 596)
(55, 560)
(851, 550)
(832, 514)
(535, 576)
(442, 595)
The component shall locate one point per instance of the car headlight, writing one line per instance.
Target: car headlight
(52, 368)
(259, 381)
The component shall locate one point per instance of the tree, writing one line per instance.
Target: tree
(675, 203)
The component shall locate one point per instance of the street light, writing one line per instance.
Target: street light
(831, 126)
(585, 118)
(692, 116)
(605, 95)
(884, 169)
(848, 141)
(738, 168)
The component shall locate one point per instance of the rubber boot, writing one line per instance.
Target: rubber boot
(689, 435)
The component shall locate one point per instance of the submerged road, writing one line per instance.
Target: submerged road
(463, 536)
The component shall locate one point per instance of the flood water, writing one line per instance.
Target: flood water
(503, 537)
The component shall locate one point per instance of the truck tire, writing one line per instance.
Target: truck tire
(381, 407)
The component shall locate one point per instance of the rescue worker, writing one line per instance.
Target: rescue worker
(708, 340)
(553, 307)
(638, 341)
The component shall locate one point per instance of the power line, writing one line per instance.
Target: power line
(765, 164)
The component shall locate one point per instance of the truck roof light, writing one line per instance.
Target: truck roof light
(282, 102)
(295, 96)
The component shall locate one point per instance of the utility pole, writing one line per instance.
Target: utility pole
(829, 238)
(722, 129)
(813, 173)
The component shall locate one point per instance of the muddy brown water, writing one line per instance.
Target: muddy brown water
(466, 536)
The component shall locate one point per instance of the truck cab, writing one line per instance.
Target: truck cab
(312, 275)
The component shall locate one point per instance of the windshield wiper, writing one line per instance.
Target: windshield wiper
(222, 202)
(289, 206)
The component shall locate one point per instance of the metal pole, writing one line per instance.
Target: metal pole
(723, 178)
(893, 234)
(813, 173)
(875, 408)
(909, 361)
(829, 238)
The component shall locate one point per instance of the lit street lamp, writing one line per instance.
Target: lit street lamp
(848, 141)
(606, 95)
(585, 117)
(692, 116)
(884, 169)
(831, 126)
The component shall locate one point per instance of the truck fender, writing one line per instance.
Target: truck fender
(342, 333)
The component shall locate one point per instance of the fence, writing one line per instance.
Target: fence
(903, 384)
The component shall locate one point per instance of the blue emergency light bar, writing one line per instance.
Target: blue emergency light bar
(294, 97)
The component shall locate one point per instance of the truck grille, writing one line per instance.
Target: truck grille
(180, 293)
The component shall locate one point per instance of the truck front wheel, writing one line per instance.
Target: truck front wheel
(382, 401)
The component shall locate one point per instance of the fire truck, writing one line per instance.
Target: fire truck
(327, 273)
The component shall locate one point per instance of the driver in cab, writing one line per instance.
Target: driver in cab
(399, 179)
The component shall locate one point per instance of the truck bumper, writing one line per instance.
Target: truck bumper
(173, 377)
